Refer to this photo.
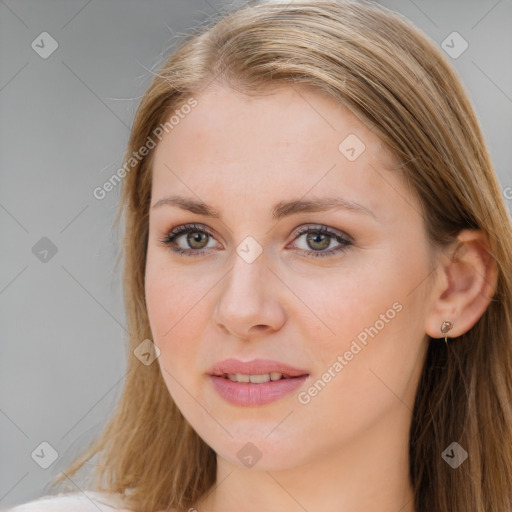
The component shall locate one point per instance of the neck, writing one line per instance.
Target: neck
(369, 472)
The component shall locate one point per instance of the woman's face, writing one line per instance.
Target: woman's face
(346, 306)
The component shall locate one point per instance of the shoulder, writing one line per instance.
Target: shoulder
(76, 502)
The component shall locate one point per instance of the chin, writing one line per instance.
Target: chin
(258, 447)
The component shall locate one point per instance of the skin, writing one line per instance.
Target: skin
(347, 449)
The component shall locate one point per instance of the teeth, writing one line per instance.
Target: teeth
(255, 379)
(258, 379)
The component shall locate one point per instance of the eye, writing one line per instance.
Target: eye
(320, 238)
(196, 241)
(197, 238)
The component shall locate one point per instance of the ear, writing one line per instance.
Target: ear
(465, 283)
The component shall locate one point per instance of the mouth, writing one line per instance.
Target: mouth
(255, 383)
(256, 371)
(245, 393)
(257, 378)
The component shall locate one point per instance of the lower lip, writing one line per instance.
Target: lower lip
(247, 393)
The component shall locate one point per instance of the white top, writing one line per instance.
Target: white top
(76, 502)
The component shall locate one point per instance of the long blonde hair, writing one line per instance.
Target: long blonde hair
(398, 82)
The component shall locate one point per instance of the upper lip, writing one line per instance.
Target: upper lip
(254, 367)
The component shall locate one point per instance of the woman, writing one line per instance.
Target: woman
(317, 277)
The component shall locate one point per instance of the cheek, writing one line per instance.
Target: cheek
(176, 300)
(339, 303)
(372, 317)
(166, 301)
(173, 320)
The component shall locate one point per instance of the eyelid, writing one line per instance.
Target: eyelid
(304, 228)
(344, 240)
(299, 230)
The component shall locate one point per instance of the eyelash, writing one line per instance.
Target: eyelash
(169, 239)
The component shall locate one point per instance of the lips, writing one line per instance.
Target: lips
(255, 367)
(246, 394)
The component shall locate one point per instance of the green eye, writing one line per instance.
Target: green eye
(318, 238)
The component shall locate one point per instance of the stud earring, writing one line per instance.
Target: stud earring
(445, 327)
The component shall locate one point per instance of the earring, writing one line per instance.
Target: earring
(445, 327)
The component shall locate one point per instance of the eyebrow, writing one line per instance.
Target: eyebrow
(280, 210)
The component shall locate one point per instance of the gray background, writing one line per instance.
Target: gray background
(63, 128)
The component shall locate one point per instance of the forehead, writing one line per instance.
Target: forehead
(285, 143)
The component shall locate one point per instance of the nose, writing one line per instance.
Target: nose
(249, 302)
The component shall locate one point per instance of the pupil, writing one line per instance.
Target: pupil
(312, 238)
(195, 238)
